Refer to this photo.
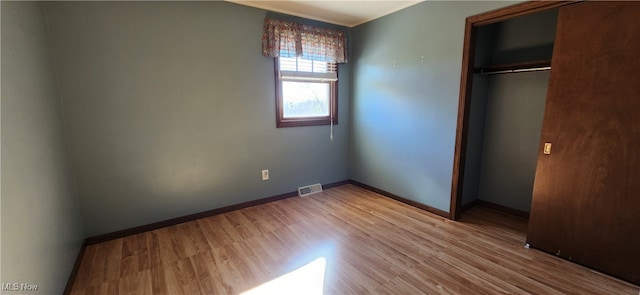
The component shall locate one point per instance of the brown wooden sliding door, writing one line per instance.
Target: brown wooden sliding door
(586, 199)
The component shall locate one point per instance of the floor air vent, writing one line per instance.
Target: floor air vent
(310, 189)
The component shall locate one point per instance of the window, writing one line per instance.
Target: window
(306, 60)
(306, 92)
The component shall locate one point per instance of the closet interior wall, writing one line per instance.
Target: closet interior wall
(506, 112)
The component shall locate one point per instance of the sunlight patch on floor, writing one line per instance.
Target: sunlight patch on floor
(308, 280)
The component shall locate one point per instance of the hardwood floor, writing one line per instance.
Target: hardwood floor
(346, 239)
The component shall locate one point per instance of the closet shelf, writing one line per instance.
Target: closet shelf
(529, 66)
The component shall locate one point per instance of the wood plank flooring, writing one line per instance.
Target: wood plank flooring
(368, 243)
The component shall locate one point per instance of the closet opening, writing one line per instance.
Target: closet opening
(506, 68)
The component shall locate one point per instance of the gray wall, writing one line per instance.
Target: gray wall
(475, 139)
(41, 226)
(511, 139)
(477, 115)
(170, 110)
(527, 38)
(405, 91)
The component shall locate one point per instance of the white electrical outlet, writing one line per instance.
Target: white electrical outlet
(265, 174)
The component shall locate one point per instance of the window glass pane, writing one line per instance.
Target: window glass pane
(305, 99)
(303, 65)
(319, 67)
(288, 63)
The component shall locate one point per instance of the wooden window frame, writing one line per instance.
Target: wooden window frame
(281, 121)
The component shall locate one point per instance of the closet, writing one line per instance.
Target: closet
(585, 204)
(511, 74)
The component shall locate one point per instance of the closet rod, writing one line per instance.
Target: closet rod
(519, 67)
(489, 72)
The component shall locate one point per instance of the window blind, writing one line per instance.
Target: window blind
(295, 68)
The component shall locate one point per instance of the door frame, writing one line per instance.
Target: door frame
(466, 81)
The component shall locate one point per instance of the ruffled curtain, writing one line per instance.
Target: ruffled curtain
(288, 39)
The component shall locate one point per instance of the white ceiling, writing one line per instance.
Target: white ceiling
(340, 12)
